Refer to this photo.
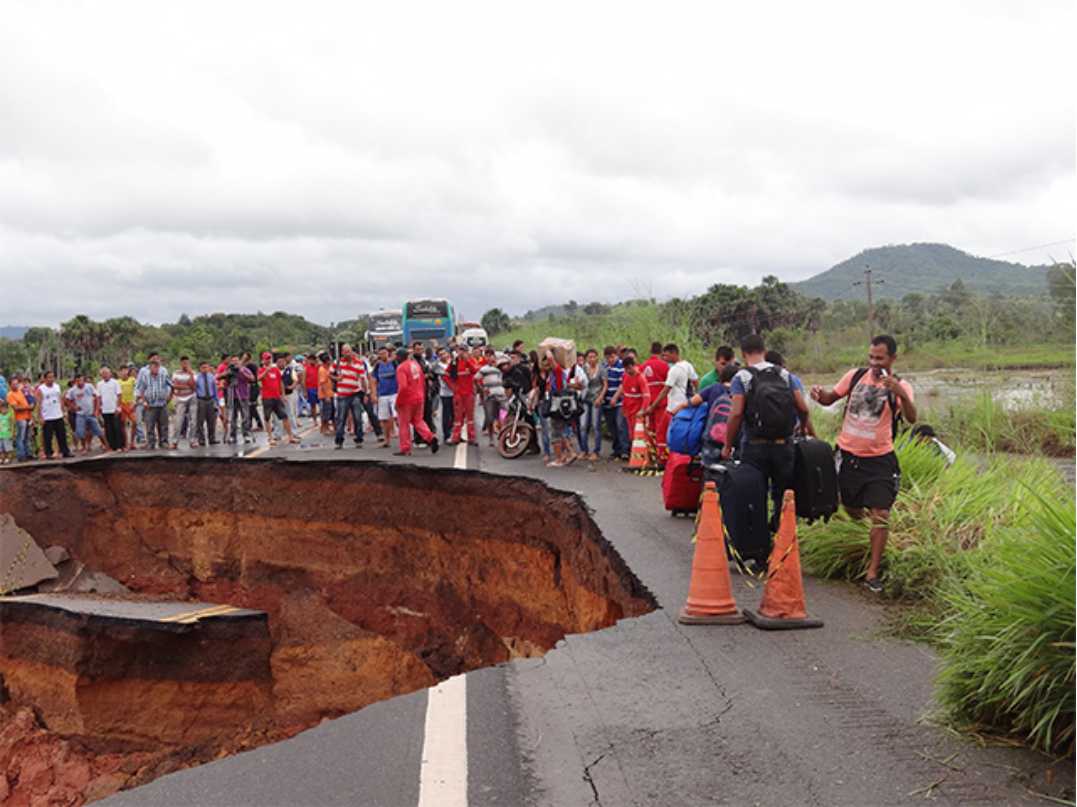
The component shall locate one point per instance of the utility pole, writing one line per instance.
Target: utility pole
(867, 281)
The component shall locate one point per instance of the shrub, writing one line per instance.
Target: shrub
(1008, 641)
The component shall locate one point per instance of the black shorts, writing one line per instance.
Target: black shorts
(870, 482)
(274, 406)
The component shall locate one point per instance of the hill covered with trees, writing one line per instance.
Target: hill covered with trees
(923, 269)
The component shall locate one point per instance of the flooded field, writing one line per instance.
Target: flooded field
(938, 389)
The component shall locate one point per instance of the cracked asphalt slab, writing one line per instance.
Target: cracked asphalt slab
(651, 712)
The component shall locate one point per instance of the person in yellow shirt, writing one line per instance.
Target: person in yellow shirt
(128, 416)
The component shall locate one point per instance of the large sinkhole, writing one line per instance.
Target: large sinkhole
(375, 580)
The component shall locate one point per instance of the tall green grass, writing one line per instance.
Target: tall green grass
(1008, 640)
(985, 425)
(941, 513)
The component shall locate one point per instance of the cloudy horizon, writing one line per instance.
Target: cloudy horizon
(164, 160)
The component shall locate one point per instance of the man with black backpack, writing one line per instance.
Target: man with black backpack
(767, 403)
(869, 475)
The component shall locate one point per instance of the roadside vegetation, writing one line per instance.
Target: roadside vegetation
(982, 553)
(984, 425)
(1007, 640)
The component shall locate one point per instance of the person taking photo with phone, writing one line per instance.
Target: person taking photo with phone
(868, 474)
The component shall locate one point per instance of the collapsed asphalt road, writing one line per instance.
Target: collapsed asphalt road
(647, 712)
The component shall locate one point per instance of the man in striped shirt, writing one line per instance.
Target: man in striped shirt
(353, 383)
(612, 371)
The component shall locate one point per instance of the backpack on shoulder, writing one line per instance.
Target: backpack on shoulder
(891, 399)
(769, 409)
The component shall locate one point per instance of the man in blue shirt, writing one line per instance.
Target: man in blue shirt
(770, 406)
(385, 376)
(612, 372)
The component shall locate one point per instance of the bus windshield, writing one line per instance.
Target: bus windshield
(427, 309)
(385, 322)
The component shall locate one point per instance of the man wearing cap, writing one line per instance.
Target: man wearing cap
(410, 396)
(271, 377)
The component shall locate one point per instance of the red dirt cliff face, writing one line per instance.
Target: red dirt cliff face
(377, 579)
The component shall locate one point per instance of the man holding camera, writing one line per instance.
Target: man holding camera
(235, 379)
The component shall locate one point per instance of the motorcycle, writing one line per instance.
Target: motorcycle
(517, 429)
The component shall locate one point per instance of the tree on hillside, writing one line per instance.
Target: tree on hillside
(1063, 289)
(496, 321)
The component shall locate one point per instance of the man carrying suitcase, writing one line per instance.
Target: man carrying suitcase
(767, 404)
(869, 476)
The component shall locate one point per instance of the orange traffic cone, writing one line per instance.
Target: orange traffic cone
(710, 593)
(637, 460)
(783, 593)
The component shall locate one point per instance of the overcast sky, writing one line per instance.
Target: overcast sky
(331, 159)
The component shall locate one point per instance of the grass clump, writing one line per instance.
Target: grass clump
(985, 425)
(1007, 642)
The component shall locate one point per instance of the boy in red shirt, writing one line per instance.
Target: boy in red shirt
(634, 391)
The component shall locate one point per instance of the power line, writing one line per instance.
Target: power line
(1031, 249)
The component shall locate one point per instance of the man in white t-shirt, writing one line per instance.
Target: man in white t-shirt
(50, 411)
(108, 397)
(674, 393)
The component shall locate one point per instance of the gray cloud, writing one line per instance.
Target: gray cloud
(242, 158)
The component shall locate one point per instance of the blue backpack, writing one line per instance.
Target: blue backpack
(685, 434)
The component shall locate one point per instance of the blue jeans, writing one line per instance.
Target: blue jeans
(590, 421)
(618, 426)
(22, 434)
(346, 404)
(544, 433)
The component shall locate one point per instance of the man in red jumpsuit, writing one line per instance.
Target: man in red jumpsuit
(463, 399)
(655, 370)
(410, 396)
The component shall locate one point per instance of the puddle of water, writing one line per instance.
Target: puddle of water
(937, 390)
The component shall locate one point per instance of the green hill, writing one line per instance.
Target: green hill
(924, 269)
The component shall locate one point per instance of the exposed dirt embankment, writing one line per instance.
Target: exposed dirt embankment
(378, 580)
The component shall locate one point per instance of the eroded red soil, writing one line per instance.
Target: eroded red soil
(378, 580)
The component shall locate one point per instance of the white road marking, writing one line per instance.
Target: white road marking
(443, 769)
(284, 441)
(443, 774)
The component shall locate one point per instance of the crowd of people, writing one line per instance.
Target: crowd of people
(410, 394)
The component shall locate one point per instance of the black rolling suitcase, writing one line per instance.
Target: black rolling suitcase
(742, 489)
(816, 480)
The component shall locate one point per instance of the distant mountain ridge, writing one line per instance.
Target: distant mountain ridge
(13, 331)
(923, 269)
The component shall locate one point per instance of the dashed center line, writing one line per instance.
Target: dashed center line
(443, 768)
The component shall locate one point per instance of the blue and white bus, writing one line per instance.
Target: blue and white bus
(429, 320)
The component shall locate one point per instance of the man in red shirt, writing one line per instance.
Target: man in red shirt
(270, 376)
(463, 372)
(349, 372)
(634, 391)
(410, 396)
(655, 370)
